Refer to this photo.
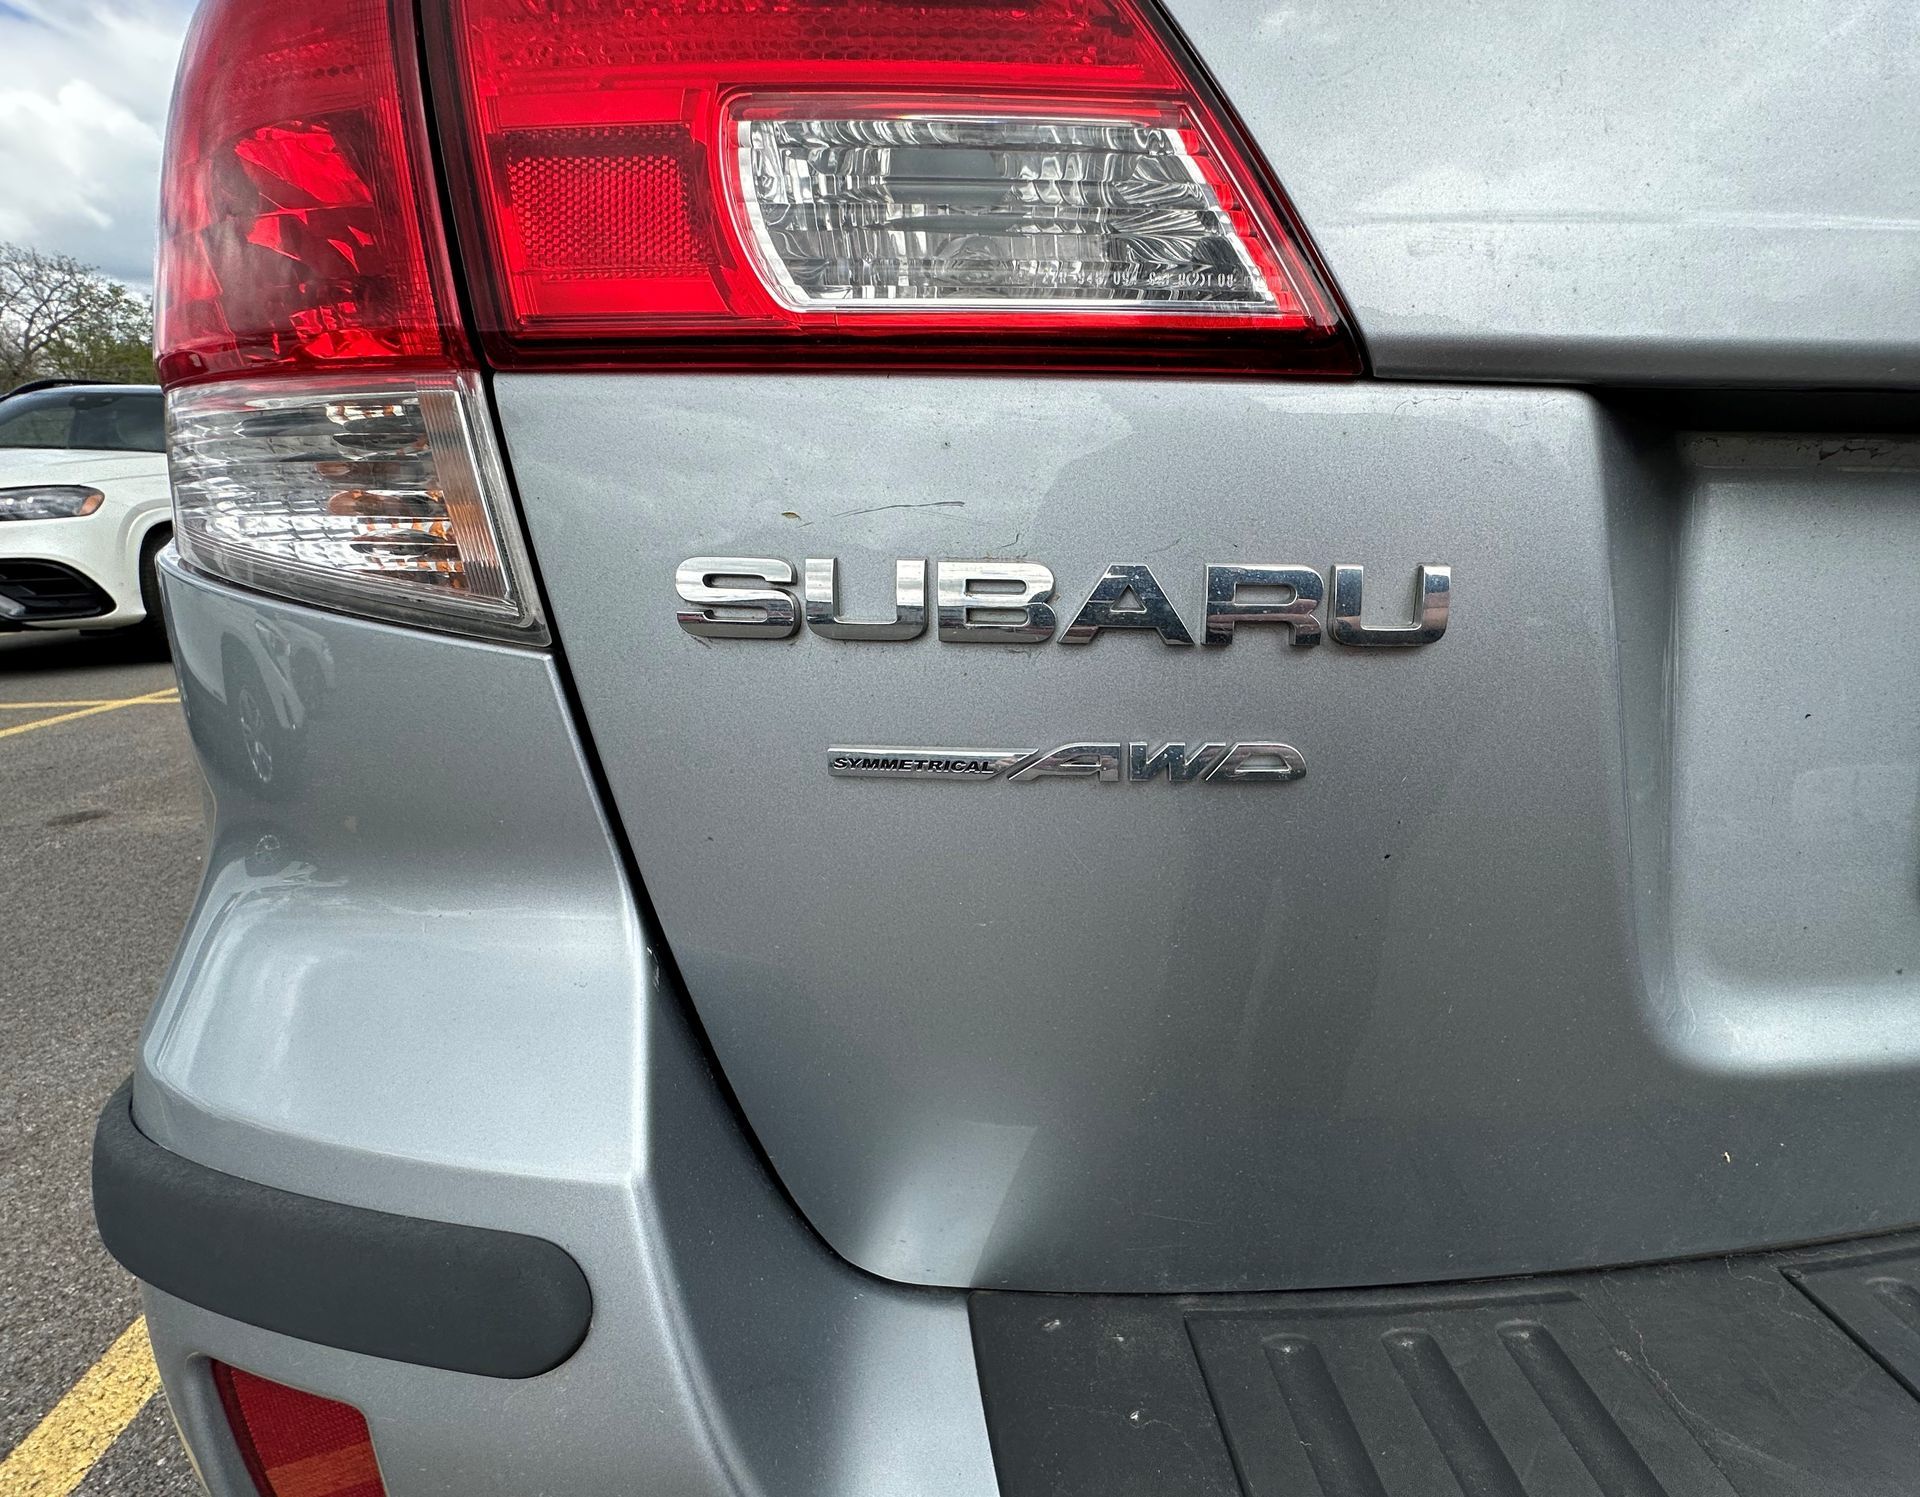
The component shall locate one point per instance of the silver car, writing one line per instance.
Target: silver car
(921, 791)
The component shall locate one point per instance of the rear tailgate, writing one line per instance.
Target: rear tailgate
(1588, 935)
(1591, 932)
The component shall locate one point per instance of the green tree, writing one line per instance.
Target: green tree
(62, 319)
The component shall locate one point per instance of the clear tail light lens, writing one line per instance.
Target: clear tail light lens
(744, 183)
(378, 498)
(852, 212)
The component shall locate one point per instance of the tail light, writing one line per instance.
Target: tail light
(299, 231)
(974, 184)
(296, 1444)
(327, 434)
(734, 183)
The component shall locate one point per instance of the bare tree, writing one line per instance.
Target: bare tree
(62, 318)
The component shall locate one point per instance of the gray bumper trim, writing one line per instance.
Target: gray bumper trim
(437, 1294)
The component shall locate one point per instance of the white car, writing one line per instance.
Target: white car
(84, 506)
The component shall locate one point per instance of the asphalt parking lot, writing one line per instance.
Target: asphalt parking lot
(100, 851)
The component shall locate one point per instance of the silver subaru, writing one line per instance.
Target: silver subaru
(1065, 748)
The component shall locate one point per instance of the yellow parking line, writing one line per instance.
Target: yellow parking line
(170, 694)
(165, 693)
(62, 1447)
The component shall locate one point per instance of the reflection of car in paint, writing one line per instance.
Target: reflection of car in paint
(570, 1084)
(258, 683)
(84, 506)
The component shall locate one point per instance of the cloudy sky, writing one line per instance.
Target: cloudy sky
(83, 103)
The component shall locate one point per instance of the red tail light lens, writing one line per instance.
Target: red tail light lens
(299, 226)
(296, 1444)
(327, 439)
(746, 182)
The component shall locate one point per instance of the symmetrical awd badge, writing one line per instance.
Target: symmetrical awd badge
(1239, 763)
(1009, 602)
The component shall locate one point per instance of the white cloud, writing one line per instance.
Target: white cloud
(83, 104)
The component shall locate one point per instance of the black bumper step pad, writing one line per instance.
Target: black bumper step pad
(1790, 1374)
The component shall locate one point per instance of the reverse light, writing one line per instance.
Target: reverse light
(932, 211)
(49, 501)
(744, 183)
(297, 1444)
(327, 439)
(368, 497)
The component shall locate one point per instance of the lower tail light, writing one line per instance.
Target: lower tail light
(297, 1444)
(385, 498)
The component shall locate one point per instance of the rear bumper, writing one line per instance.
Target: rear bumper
(1621, 1377)
(417, 986)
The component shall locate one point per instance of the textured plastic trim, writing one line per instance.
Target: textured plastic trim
(1707, 1378)
(436, 1294)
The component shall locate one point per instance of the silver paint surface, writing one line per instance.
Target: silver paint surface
(1796, 758)
(1436, 1011)
(416, 981)
(1618, 190)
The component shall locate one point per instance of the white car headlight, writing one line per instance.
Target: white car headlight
(49, 501)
